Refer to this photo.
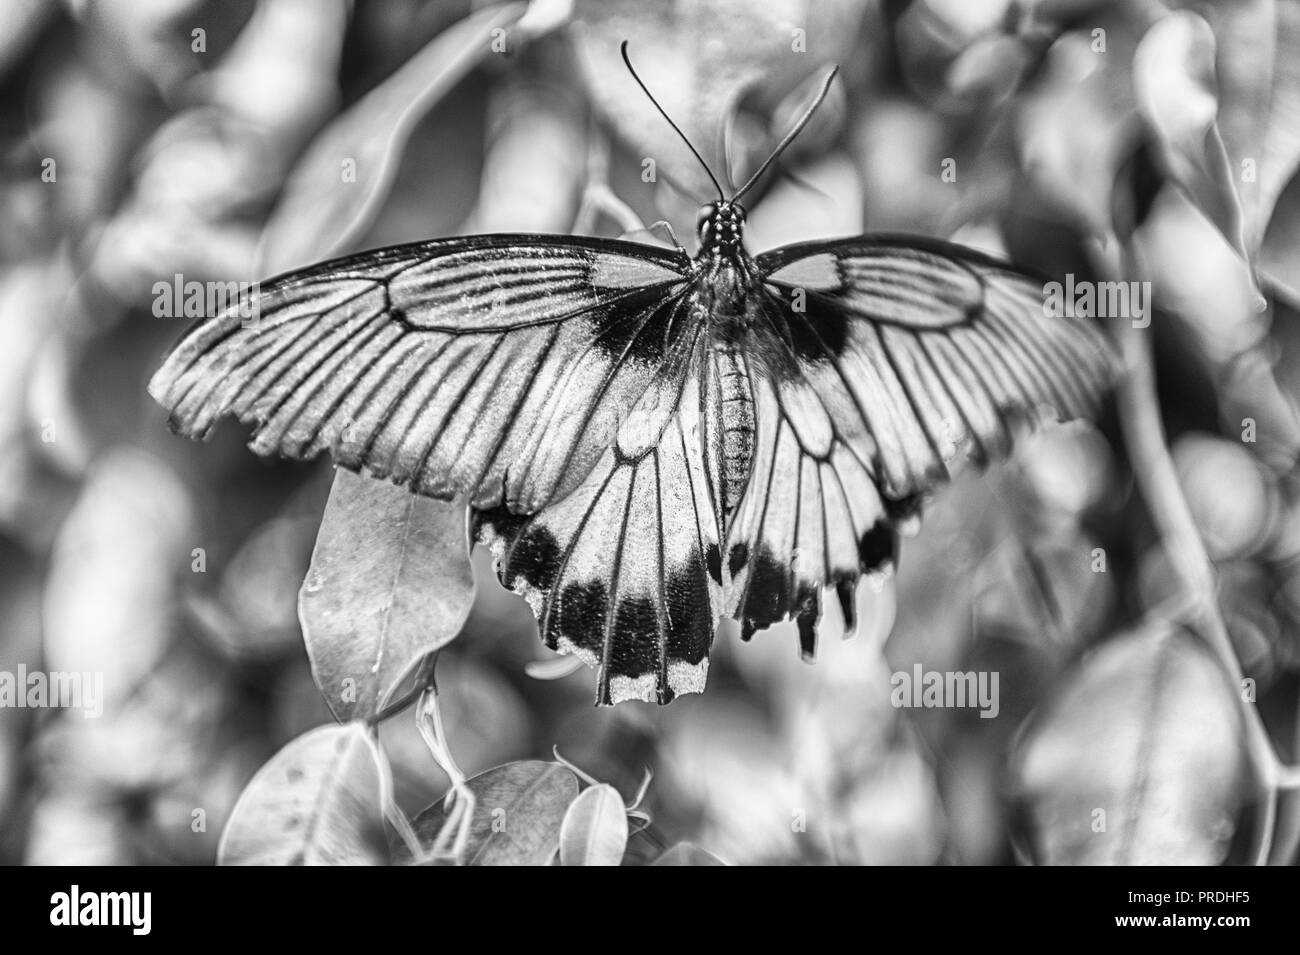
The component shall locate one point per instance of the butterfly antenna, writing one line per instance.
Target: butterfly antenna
(695, 152)
(789, 137)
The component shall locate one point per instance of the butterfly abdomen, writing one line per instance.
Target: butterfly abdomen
(734, 410)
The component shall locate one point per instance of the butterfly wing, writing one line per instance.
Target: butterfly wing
(552, 381)
(882, 364)
(624, 572)
(497, 367)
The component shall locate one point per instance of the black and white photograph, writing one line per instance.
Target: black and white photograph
(650, 433)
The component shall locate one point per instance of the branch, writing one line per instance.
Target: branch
(1154, 469)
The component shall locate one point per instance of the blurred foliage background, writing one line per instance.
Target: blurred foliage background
(1151, 141)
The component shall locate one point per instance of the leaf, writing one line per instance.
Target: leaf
(554, 669)
(1259, 98)
(1227, 495)
(1137, 761)
(1177, 93)
(75, 828)
(687, 853)
(27, 293)
(595, 828)
(1074, 124)
(320, 214)
(161, 733)
(389, 583)
(318, 801)
(1174, 79)
(518, 811)
(23, 24)
(115, 563)
(255, 610)
(1279, 256)
(534, 160)
(1197, 276)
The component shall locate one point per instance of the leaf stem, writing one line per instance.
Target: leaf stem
(392, 812)
(1156, 476)
(598, 198)
(454, 836)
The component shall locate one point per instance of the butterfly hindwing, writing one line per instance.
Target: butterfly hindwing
(623, 572)
(879, 367)
(496, 367)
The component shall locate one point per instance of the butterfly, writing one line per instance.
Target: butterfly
(649, 440)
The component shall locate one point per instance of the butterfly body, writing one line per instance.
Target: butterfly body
(729, 404)
(724, 303)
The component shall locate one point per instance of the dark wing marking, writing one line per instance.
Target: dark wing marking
(879, 366)
(623, 572)
(497, 367)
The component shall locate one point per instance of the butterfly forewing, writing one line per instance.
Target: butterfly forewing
(930, 351)
(493, 367)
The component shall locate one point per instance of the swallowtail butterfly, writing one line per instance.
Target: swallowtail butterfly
(649, 440)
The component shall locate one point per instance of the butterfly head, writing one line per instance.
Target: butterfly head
(720, 226)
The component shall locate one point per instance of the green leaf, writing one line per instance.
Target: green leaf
(595, 828)
(1138, 760)
(390, 582)
(318, 801)
(687, 853)
(518, 811)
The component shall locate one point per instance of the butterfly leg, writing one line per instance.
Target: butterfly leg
(600, 200)
(668, 230)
